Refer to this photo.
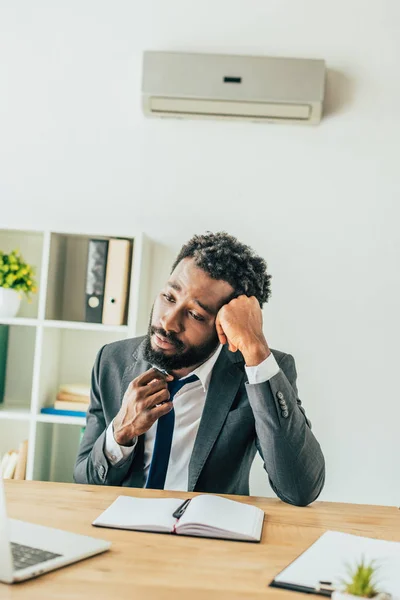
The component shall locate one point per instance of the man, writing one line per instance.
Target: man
(187, 406)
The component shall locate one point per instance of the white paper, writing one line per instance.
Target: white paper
(147, 514)
(327, 558)
(217, 513)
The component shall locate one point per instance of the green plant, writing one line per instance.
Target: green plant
(361, 579)
(16, 274)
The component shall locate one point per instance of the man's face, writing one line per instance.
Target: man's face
(182, 325)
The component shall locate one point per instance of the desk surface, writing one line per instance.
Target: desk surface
(162, 566)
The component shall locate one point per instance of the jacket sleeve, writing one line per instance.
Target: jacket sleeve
(91, 464)
(292, 456)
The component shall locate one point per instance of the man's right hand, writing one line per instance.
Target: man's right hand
(139, 409)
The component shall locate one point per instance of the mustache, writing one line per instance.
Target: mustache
(170, 337)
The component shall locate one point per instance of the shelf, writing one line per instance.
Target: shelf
(67, 275)
(15, 413)
(68, 356)
(49, 343)
(61, 420)
(80, 326)
(19, 321)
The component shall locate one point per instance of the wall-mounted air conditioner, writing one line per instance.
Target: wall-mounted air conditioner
(216, 86)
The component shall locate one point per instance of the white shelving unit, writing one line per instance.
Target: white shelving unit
(50, 344)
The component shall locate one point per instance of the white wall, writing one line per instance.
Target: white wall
(321, 204)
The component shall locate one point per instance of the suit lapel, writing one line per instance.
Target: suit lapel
(225, 381)
(138, 367)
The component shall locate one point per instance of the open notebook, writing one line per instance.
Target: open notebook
(204, 516)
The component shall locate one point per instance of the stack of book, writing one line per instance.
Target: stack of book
(72, 400)
(13, 463)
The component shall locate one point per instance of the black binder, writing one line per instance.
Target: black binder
(95, 280)
(4, 332)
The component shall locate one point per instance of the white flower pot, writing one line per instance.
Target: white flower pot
(10, 301)
(343, 596)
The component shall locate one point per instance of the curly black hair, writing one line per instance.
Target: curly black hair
(222, 256)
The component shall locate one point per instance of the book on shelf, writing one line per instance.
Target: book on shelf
(117, 282)
(3, 462)
(13, 463)
(75, 389)
(75, 399)
(50, 410)
(4, 331)
(72, 406)
(95, 279)
(71, 400)
(8, 464)
(203, 516)
(63, 397)
(20, 468)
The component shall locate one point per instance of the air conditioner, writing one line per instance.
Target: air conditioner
(218, 86)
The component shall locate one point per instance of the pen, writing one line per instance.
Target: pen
(161, 370)
(181, 509)
(322, 590)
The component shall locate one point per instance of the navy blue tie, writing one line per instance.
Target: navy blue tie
(163, 441)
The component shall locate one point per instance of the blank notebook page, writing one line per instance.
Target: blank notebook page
(130, 512)
(221, 513)
(326, 560)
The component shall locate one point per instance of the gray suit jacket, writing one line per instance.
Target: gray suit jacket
(237, 420)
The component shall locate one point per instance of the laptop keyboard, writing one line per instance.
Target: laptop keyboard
(26, 556)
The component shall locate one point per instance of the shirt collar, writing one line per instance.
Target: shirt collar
(204, 371)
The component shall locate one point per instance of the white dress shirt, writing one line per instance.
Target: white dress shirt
(188, 406)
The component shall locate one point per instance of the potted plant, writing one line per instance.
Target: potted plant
(16, 278)
(361, 583)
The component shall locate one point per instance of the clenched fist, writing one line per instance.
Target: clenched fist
(239, 323)
(145, 401)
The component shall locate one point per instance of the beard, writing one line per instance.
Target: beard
(183, 358)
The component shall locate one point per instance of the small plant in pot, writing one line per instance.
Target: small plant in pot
(17, 278)
(361, 583)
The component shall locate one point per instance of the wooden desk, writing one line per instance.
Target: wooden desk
(160, 566)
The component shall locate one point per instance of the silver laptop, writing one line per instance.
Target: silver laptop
(28, 550)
